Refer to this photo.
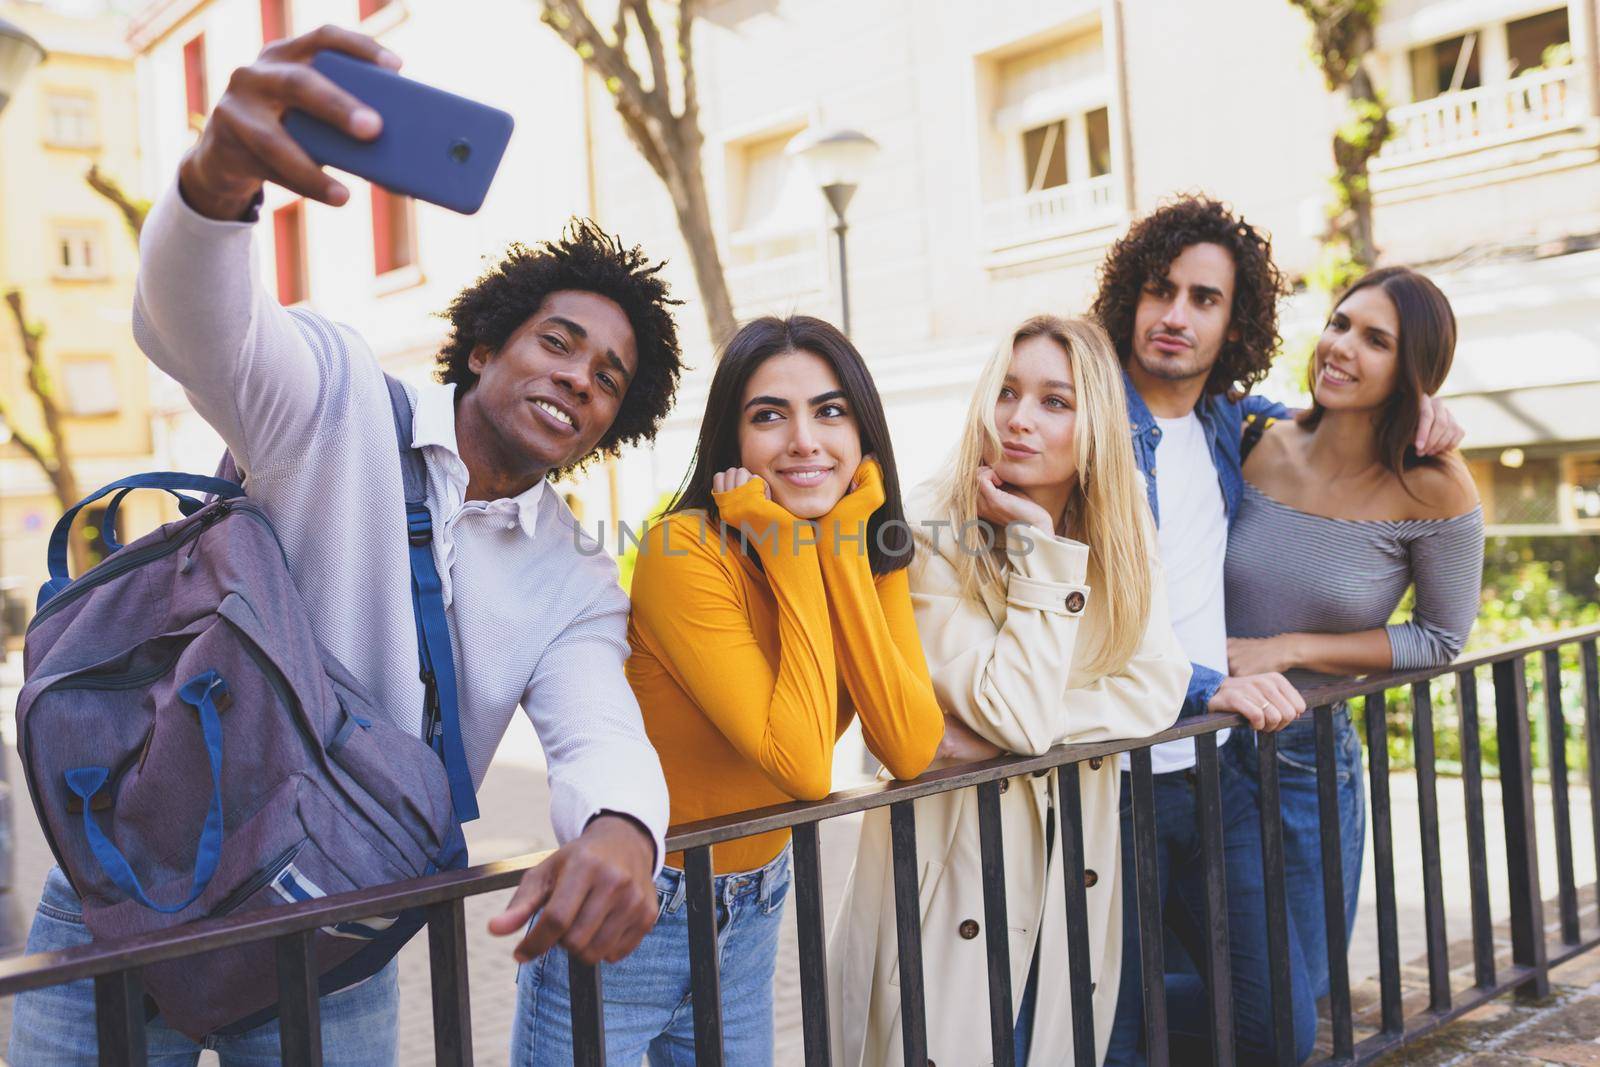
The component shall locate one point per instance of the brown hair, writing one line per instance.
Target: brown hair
(1145, 254)
(1423, 353)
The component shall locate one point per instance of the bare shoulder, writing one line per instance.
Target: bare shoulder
(1442, 489)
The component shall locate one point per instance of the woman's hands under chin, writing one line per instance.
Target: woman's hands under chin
(1004, 506)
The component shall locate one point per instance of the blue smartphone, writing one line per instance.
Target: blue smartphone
(435, 146)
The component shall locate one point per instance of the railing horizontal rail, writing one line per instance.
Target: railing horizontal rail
(116, 964)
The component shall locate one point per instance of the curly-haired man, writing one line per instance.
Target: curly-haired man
(1189, 297)
(557, 353)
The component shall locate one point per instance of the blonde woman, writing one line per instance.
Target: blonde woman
(1058, 633)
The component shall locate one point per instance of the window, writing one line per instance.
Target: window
(368, 8)
(774, 206)
(274, 20)
(1538, 41)
(1447, 66)
(1583, 485)
(1052, 109)
(1097, 124)
(289, 249)
(1044, 156)
(194, 78)
(79, 252)
(90, 386)
(393, 232)
(70, 121)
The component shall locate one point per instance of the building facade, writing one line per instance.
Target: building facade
(69, 253)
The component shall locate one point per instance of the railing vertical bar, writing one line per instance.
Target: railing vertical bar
(1432, 873)
(1218, 969)
(908, 930)
(997, 930)
(452, 1001)
(1333, 903)
(299, 1011)
(1591, 730)
(1150, 919)
(1522, 848)
(1277, 902)
(588, 1014)
(1477, 848)
(119, 1018)
(704, 982)
(1072, 873)
(813, 942)
(1556, 732)
(1377, 710)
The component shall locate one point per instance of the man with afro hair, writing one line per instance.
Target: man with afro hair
(558, 353)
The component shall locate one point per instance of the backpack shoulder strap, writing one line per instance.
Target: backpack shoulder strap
(440, 719)
(1254, 426)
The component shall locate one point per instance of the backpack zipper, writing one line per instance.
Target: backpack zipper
(261, 880)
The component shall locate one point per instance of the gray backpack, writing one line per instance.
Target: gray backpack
(193, 753)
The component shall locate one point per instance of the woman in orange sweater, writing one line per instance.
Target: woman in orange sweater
(770, 606)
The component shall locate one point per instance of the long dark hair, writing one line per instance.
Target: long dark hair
(1423, 353)
(889, 548)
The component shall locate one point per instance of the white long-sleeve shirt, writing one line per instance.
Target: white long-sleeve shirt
(536, 615)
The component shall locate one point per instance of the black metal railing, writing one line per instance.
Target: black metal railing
(116, 967)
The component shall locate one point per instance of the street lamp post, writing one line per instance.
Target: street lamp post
(837, 161)
(19, 54)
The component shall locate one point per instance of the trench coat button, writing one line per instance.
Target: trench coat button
(1095, 763)
(1092, 985)
(1005, 783)
(1089, 879)
(968, 929)
(1074, 603)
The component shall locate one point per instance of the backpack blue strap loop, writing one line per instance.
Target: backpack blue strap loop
(187, 505)
(201, 692)
(171, 481)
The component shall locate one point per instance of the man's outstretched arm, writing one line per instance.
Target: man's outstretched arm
(608, 799)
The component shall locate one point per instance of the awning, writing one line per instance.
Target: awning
(1533, 416)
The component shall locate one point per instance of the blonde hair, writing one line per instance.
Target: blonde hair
(1107, 509)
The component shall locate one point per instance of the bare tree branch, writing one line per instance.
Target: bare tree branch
(669, 141)
(133, 211)
(661, 81)
(58, 468)
(24, 440)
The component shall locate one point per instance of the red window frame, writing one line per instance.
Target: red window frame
(194, 77)
(289, 250)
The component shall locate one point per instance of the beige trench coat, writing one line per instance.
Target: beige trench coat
(1006, 667)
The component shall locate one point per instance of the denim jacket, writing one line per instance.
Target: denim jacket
(1223, 422)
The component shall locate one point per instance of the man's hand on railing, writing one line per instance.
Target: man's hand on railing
(961, 744)
(1267, 701)
(595, 895)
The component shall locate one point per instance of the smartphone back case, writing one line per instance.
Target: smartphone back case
(435, 146)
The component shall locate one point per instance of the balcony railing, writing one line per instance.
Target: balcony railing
(1057, 212)
(1523, 107)
(119, 998)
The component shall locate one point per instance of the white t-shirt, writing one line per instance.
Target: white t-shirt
(1193, 542)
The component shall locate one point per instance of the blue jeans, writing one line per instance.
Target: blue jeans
(648, 1008)
(54, 1026)
(1302, 835)
(1180, 879)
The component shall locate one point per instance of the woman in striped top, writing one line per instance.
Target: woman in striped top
(1339, 517)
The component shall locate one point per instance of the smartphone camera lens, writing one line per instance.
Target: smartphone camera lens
(460, 151)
